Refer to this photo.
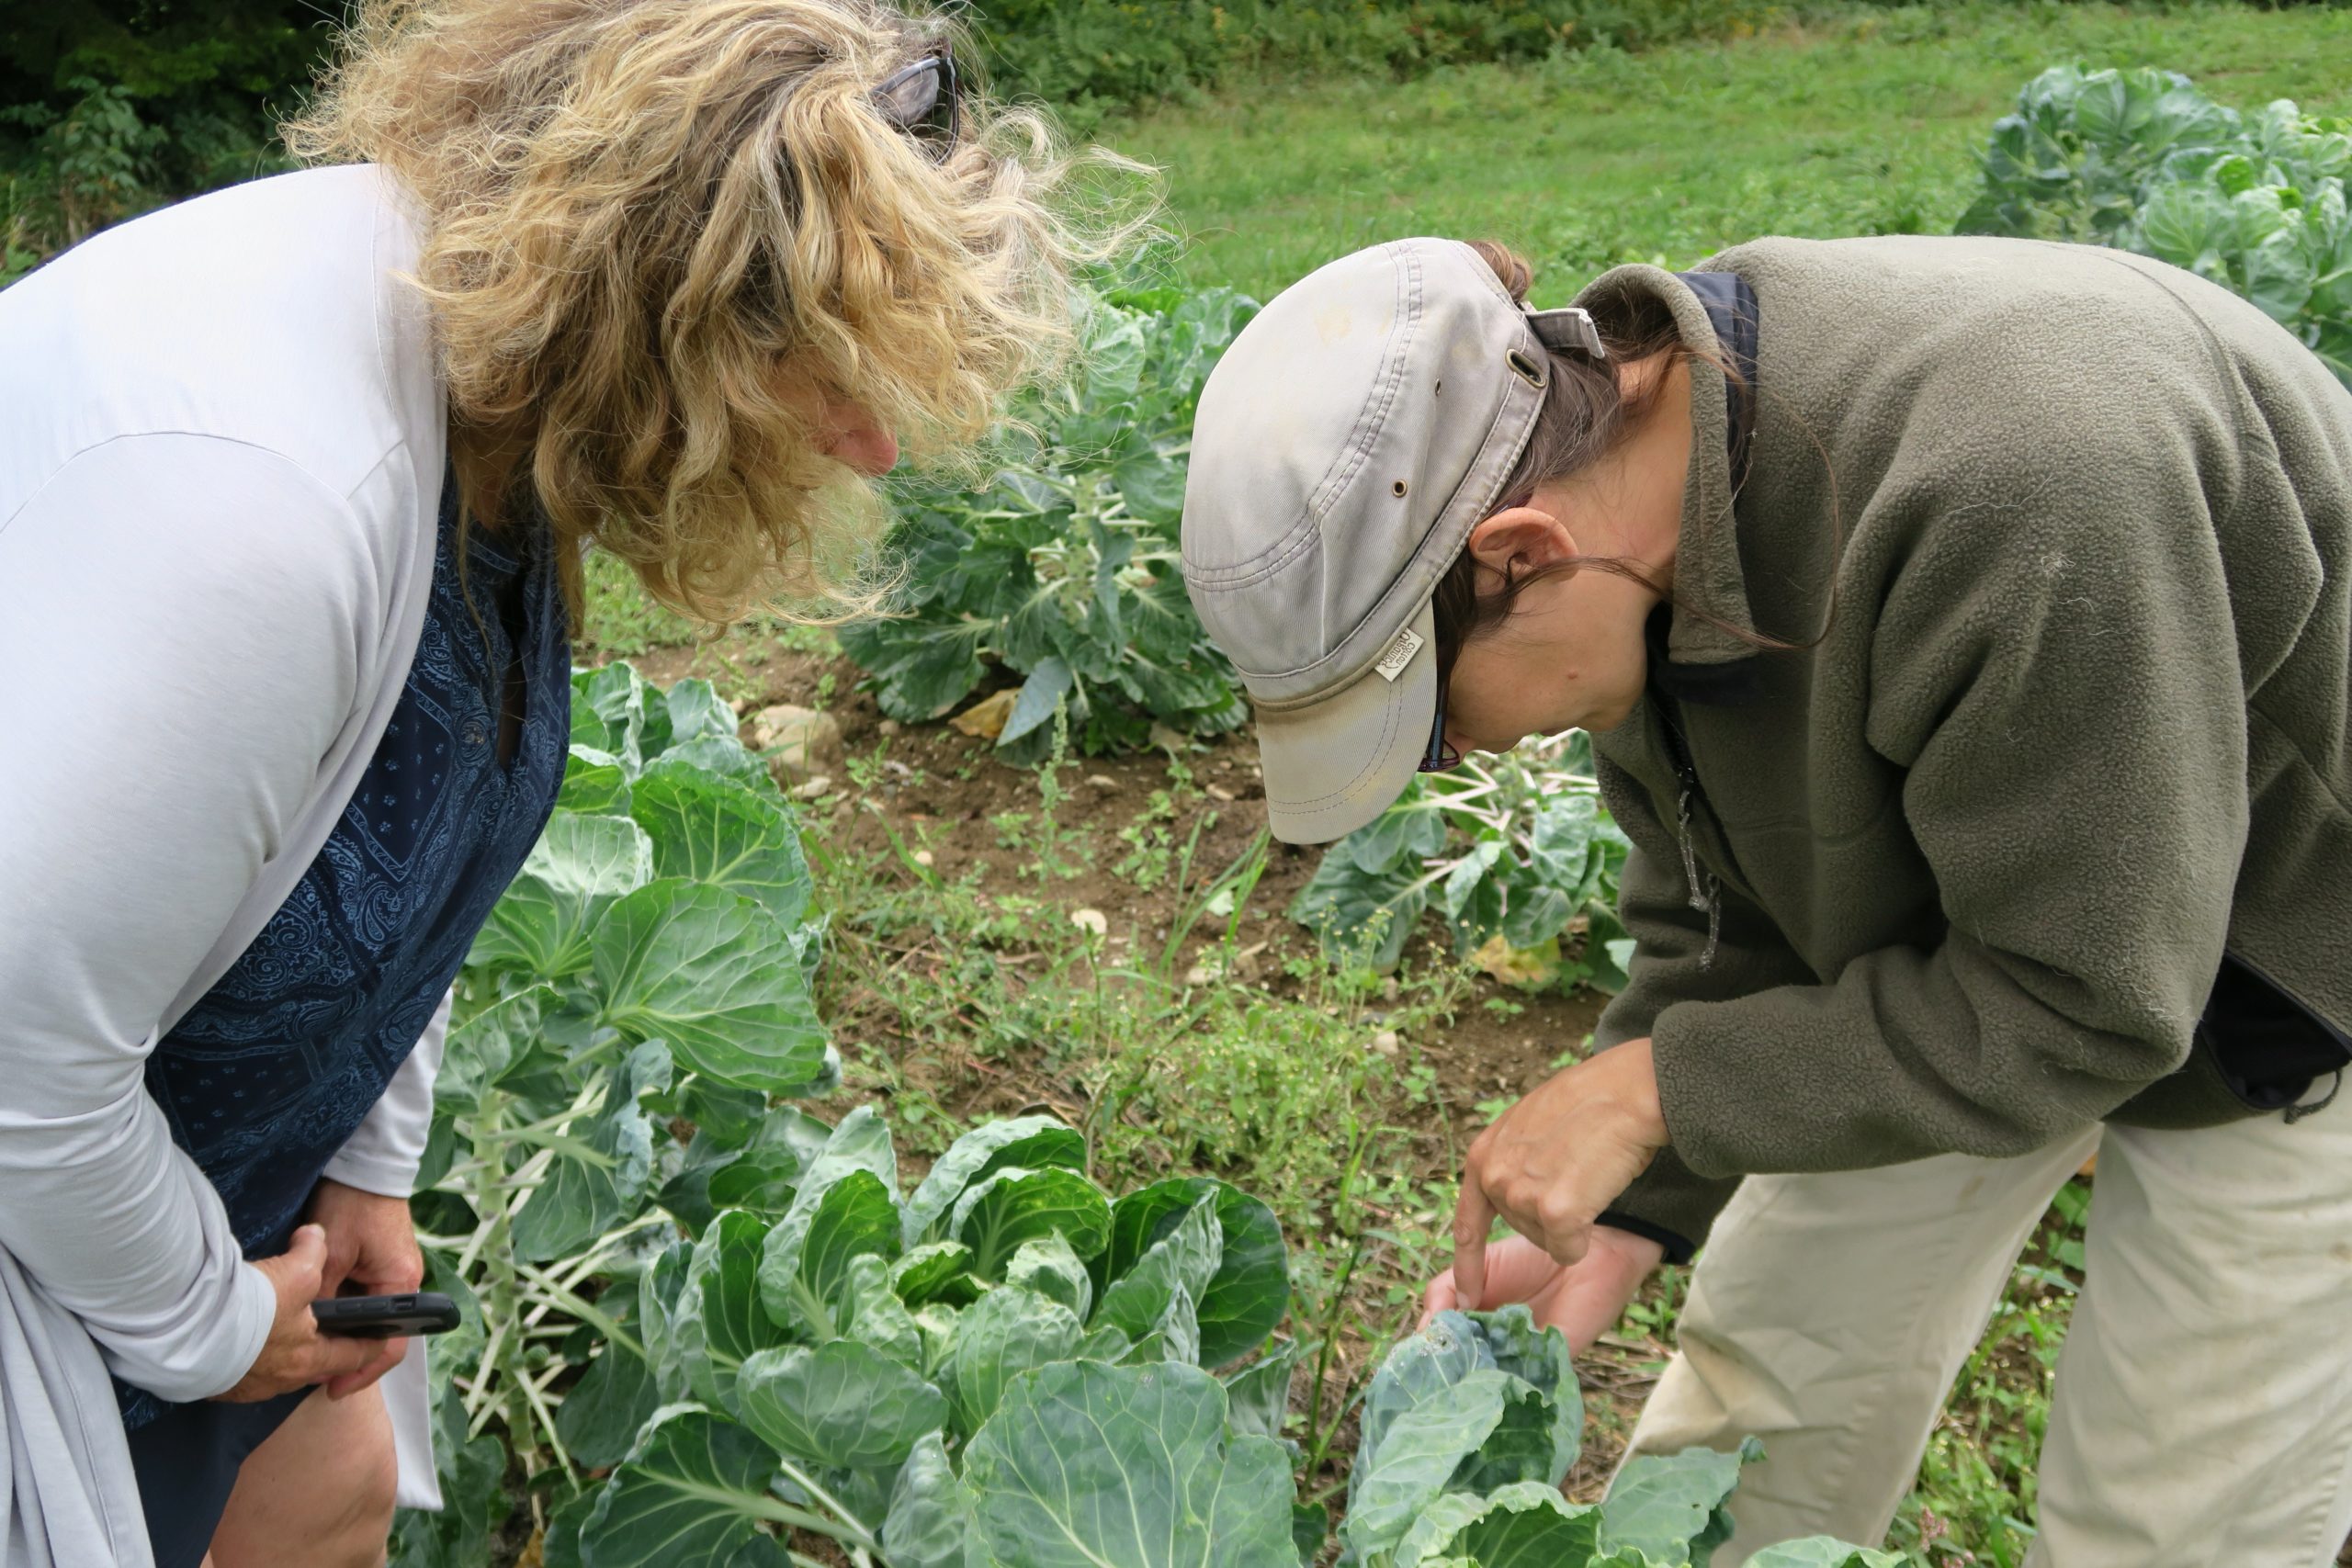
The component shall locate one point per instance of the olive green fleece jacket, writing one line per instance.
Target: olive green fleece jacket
(2073, 531)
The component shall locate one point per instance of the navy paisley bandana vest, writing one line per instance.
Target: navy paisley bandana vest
(274, 1068)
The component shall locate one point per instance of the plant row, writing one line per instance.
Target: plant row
(2143, 161)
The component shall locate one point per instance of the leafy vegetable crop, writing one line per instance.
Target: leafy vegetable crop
(1467, 1429)
(1512, 849)
(1063, 568)
(739, 1311)
(650, 963)
(704, 1329)
(1001, 1365)
(2143, 161)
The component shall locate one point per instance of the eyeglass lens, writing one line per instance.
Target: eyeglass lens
(921, 101)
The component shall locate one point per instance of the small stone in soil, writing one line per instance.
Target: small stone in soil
(889, 726)
(802, 740)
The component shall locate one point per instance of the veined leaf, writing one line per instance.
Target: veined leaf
(1258, 1396)
(1014, 1205)
(1174, 1335)
(697, 711)
(838, 1403)
(1398, 839)
(1540, 1357)
(659, 1305)
(711, 972)
(1672, 1505)
(920, 670)
(1248, 1293)
(855, 1219)
(598, 1420)
(1086, 1464)
(1450, 1412)
(872, 1314)
(861, 1142)
(1184, 1261)
(1360, 918)
(1005, 1333)
(935, 1271)
(930, 1523)
(1040, 694)
(634, 718)
(593, 784)
(485, 1045)
(580, 867)
(1419, 1449)
(714, 830)
(1048, 1266)
(691, 1495)
(1525, 1526)
(1821, 1552)
(582, 1198)
(1035, 1143)
(719, 1323)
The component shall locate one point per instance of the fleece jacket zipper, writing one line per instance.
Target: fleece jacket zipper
(1703, 882)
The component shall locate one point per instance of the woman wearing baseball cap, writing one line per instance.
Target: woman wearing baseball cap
(1964, 627)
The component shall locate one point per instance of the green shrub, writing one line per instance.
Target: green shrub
(2143, 161)
(1087, 56)
(1063, 568)
(1515, 850)
(108, 107)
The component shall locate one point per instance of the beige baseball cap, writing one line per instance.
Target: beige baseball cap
(1345, 445)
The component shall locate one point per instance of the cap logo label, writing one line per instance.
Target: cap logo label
(1401, 653)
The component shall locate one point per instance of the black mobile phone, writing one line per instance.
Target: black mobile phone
(386, 1317)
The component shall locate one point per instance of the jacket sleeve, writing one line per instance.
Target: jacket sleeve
(181, 619)
(382, 1154)
(1669, 1202)
(2054, 669)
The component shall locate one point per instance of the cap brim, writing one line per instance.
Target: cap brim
(1335, 766)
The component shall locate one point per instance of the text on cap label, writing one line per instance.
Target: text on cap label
(1401, 653)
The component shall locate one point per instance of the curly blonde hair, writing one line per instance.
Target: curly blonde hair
(660, 235)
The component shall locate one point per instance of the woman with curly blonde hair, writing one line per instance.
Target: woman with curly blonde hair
(295, 483)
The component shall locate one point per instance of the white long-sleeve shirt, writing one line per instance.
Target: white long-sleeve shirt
(221, 442)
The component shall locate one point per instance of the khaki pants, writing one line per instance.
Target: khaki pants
(2202, 1412)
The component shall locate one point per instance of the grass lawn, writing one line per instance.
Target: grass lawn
(1866, 126)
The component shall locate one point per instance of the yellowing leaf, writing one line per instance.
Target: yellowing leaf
(986, 718)
(1529, 966)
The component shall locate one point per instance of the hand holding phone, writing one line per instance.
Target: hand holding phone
(296, 1355)
(385, 1317)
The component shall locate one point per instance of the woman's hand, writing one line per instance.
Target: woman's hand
(296, 1355)
(371, 1247)
(1553, 1161)
(1580, 1299)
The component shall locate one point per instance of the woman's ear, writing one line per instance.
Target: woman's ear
(1522, 538)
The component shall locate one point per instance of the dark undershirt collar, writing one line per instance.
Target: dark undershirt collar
(1731, 310)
